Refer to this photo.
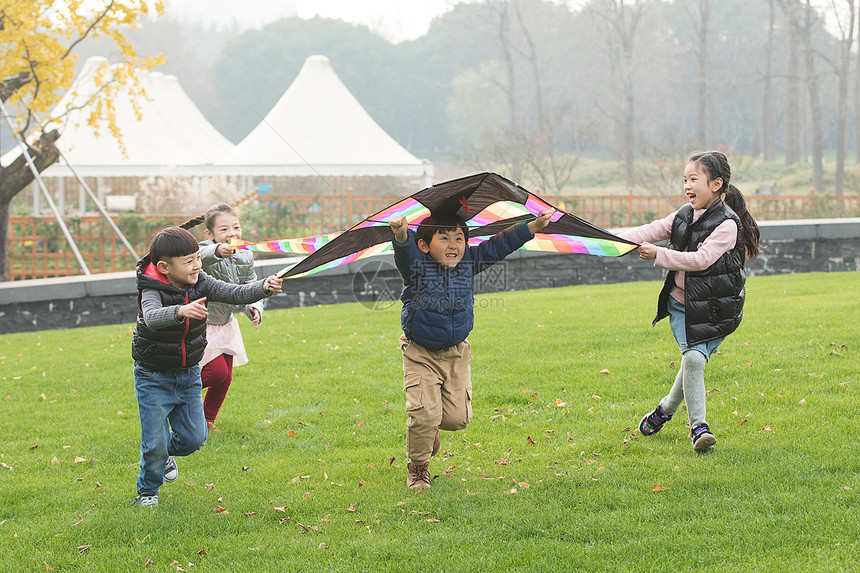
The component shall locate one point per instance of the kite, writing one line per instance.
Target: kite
(299, 246)
(487, 202)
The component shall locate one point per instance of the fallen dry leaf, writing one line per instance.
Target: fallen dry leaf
(219, 509)
(529, 440)
(657, 487)
(79, 459)
(82, 548)
(351, 507)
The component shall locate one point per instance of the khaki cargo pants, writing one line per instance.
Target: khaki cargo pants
(438, 386)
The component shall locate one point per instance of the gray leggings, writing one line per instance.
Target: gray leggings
(690, 386)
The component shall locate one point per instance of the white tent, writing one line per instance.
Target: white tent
(319, 128)
(165, 134)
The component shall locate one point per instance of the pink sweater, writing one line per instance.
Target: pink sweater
(722, 240)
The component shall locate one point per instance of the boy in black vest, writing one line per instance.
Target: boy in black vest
(168, 342)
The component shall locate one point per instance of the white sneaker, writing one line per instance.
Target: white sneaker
(171, 472)
(147, 500)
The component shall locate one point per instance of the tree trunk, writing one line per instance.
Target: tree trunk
(814, 103)
(845, 45)
(511, 92)
(857, 101)
(13, 179)
(792, 107)
(768, 146)
(701, 130)
(857, 106)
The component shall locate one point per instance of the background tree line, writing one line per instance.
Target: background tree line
(532, 84)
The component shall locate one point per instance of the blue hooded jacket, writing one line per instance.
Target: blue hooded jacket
(438, 302)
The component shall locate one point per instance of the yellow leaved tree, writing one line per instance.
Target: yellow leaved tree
(37, 58)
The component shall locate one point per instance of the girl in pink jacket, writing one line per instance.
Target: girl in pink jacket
(703, 295)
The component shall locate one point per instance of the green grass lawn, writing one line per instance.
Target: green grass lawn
(309, 463)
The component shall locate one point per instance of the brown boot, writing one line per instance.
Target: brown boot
(437, 443)
(419, 475)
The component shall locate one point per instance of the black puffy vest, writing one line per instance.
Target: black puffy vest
(714, 297)
(179, 346)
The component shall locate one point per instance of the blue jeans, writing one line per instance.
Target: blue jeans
(678, 321)
(171, 420)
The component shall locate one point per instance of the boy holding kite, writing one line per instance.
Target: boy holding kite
(438, 269)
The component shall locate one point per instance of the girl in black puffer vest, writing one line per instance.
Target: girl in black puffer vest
(703, 295)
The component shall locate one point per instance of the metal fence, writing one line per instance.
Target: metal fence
(39, 250)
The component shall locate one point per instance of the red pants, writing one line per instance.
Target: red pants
(216, 376)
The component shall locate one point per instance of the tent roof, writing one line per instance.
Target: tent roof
(318, 128)
(169, 135)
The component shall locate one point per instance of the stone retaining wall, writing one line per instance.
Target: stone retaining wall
(825, 245)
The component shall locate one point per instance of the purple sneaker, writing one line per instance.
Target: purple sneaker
(653, 422)
(702, 438)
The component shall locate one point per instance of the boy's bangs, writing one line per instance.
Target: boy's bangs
(440, 224)
(172, 242)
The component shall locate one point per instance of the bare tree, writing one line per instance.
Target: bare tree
(768, 143)
(619, 21)
(842, 15)
(537, 141)
(793, 98)
(802, 18)
(857, 104)
(699, 12)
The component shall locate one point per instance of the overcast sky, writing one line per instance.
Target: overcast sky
(396, 20)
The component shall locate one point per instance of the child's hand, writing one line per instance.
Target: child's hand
(399, 227)
(194, 309)
(542, 220)
(224, 251)
(256, 316)
(647, 251)
(272, 284)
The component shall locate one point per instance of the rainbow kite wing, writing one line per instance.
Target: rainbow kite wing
(488, 203)
(297, 246)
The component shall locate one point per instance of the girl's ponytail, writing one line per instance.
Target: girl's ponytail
(209, 216)
(191, 223)
(749, 228)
